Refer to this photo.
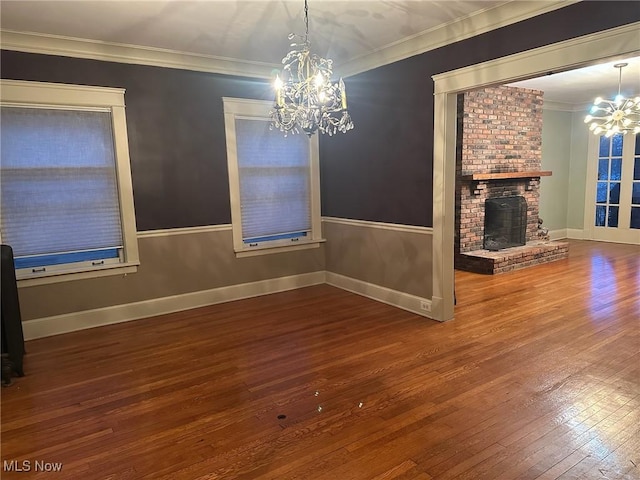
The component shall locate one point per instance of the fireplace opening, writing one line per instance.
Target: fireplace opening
(505, 222)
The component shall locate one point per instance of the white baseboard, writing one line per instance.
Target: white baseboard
(564, 233)
(559, 234)
(55, 325)
(71, 322)
(395, 298)
(576, 234)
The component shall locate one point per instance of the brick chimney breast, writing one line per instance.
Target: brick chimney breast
(499, 131)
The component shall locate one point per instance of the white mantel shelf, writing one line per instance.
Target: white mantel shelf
(506, 175)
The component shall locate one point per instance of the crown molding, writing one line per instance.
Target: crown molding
(480, 22)
(580, 51)
(455, 31)
(567, 107)
(123, 53)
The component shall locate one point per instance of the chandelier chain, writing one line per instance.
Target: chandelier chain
(620, 66)
(306, 21)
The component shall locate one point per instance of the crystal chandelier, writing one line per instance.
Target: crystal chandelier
(620, 115)
(306, 99)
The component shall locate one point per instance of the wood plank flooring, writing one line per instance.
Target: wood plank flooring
(538, 377)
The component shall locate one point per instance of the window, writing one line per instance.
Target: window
(273, 181)
(612, 195)
(67, 202)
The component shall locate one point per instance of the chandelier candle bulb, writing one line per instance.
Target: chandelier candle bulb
(278, 87)
(343, 94)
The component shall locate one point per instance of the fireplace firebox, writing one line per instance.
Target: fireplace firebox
(505, 222)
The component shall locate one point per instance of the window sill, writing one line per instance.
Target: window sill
(268, 249)
(69, 275)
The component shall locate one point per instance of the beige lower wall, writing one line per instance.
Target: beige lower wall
(184, 269)
(395, 257)
(172, 264)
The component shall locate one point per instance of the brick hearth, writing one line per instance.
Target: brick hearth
(533, 253)
(499, 155)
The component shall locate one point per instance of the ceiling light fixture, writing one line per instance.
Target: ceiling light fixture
(306, 98)
(620, 115)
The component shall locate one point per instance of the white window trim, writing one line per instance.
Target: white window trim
(259, 109)
(41, 94)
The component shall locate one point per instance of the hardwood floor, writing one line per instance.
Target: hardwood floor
(538, 377)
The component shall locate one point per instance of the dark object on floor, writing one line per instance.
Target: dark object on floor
(7, 371)
(12, 336)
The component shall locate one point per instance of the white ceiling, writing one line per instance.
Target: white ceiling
(256, 31)
(246, 30)
(580, 86)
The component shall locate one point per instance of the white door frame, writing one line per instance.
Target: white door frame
(583, 51)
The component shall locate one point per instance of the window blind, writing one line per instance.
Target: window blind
(58, 185)
(274, 174)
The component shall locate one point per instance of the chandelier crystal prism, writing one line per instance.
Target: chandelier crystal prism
(620, 115)
(306, 98)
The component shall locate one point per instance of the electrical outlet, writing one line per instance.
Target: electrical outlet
(424, 305)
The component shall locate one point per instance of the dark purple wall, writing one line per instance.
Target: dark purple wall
(176, 132)
(382, 169)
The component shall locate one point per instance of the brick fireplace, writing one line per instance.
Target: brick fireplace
(499, 150)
